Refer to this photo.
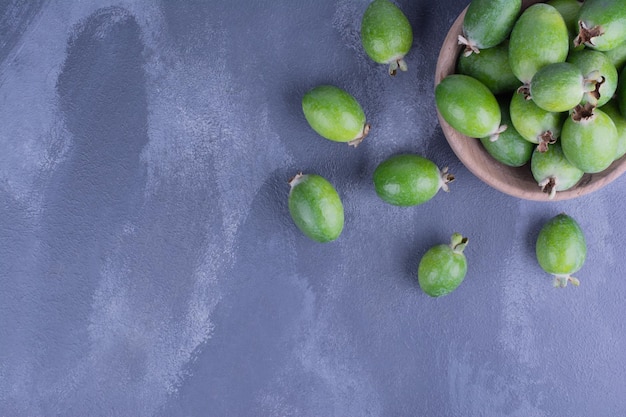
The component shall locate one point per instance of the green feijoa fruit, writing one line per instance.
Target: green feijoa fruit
(589, 139)
(561, 249)
(491, 67)
(443, 267)
(600, 73)
(553, 171)
(535, 124)
(557, 87)
(409, 180)
(611, 109)
(335, 114)
(315, 207)
(468, 106)
(602, 24)
(617, 55)
(539, 37)
(510, 148)
(487, 23)
(386, 35)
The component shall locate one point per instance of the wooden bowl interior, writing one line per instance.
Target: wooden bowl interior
(517, 182)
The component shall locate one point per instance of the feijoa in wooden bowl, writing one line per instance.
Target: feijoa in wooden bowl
(515, 181)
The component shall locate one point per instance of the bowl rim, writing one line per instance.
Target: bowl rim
(488, 172)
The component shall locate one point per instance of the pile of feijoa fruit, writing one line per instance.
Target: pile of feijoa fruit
(542, 87)
(468, 101)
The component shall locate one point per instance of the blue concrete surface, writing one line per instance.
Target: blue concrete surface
(149, 266)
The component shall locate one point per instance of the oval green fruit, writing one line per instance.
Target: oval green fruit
(443, 267)
(468, 106)
(487, 23)
(510, 148)
(589, 139)
(557, 87)
(539, 37)
(602, 24)
(535, 124)
(335, 114)
(409, 180)
(490, 67)
(561, 249)
(553, 171)
(315, 207)
(596, 65)
(386, 34)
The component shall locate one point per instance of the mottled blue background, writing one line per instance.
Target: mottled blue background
(149, 266)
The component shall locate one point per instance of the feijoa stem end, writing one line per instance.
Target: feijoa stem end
(445, 179)
(548, 186)
(470, 47)
(495, 135)
(583, 112)
(357, 141)
(458, 243)
(296, 179)
(545, 140)
(586, 34)
(397, 64)
(560, 281)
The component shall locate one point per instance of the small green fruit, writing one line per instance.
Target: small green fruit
(409, 180)
(443, 267)
(589, 139)
(539, 38)
(386, 35)
(315, 207)
(553, 171)
(487, 23)
(468, 106)
(603, 76)
(335, 115)
(561, 249)
(535, 124)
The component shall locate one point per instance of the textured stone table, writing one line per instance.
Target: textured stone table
(149, 266)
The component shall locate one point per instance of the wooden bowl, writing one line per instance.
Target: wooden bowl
(517, 182)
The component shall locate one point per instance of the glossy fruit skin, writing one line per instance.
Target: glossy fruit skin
(557, 87)
(510, 148)
(587, 61)
(610, 16)
(617, 55)
(386, 33)
(569, 10)
(590, 144)
(539, 37)
(468, 106)
(315, 207)
(407, 180)
(553, 171)
(333, 113)
(531, 121)
(491, 67)
(488, 22)
(611, 109)
(442, 268)
(561, 248)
